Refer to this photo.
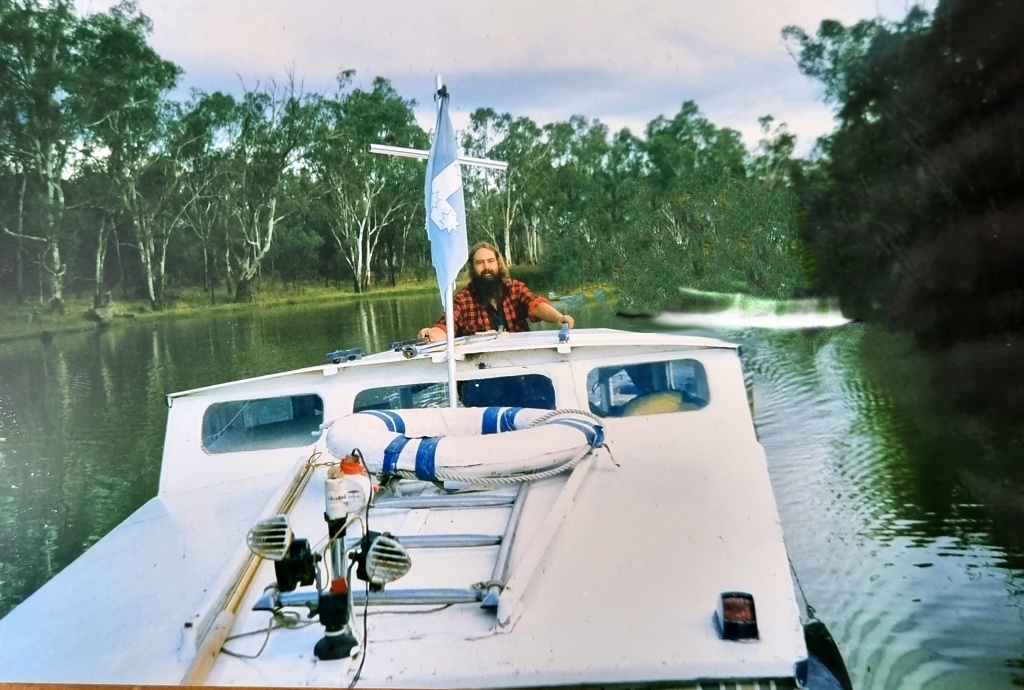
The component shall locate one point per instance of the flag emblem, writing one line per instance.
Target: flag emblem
(445, 206)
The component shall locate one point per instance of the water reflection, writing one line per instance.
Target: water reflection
(888, 543)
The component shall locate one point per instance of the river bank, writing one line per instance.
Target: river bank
(35, 320)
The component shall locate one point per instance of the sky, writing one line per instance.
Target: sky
(621, 62)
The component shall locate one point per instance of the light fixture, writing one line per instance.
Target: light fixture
(736, 617)
(381, 559)
(270, 537)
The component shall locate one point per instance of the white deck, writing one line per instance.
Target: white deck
(680, 511)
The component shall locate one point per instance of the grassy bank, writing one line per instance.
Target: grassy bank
(30, 319)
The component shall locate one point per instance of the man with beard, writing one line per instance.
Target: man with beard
(493, 301)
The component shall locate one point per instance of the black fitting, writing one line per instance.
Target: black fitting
(333, 610)
(337, 642)
(298, 567)
(335, 646)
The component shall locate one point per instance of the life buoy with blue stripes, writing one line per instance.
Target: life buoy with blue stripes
(474, 442)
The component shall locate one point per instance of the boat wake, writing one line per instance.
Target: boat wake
(699, 309)
(737, 318)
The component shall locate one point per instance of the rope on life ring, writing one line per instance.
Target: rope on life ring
(491, 445)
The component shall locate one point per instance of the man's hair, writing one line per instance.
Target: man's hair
(502, 267)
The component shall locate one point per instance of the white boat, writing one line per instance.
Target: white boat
(619, 530)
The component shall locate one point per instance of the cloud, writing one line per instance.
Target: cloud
(624, 63)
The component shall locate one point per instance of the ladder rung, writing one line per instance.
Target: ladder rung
(450, 501)
(388, 597)
(438, 541)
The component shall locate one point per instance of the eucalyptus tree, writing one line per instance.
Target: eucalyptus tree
(772, 162)
(687, 142)
(126, 116)
(693, 217)
(38, 129)
(199, 139)
(577, 201)
(506, 203)
(864, 223)
(368, 195)
(270, 131)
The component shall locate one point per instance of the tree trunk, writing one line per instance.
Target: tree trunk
(243, 290)
(56, 270)
(227, 263)
(206, 268)
(144, 240)
(51, 269)
(120, 265)
(162, 270)
(509, 213)
(19, 253)
(101, 256)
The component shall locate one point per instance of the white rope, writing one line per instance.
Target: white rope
(453, 475)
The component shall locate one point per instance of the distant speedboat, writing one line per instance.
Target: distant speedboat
(595, 510)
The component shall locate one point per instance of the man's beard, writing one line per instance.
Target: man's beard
(487, 287)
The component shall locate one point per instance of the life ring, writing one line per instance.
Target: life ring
(469, 442)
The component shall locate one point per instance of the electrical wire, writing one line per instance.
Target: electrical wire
(366, 599)
(277, 620)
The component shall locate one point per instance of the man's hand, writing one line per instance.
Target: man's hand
(546, 312)
(432, 334)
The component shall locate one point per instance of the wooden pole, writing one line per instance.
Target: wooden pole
(211, 644)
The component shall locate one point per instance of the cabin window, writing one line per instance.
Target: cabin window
(649, 388)
(524, 390)
(262, 424)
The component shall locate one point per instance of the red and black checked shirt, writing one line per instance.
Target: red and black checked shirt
(518, 303)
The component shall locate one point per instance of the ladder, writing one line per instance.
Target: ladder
(502, 592)
(487, 596)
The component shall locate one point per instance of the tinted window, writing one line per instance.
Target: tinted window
(648, 388)
(525, 390)
(402, 397)
(264, 423)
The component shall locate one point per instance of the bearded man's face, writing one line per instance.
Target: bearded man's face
(485, 264)
(487, 279)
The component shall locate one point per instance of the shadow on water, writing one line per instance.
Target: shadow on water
(894, 551)
(916, 576)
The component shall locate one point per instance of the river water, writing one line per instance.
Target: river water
(911, 573)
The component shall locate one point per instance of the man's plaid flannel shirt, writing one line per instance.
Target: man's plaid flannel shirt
(518, 303)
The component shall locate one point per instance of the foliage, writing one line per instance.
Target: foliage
(110, 186)
(920, 223)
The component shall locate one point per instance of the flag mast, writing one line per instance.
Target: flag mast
(446, 214)
(449, 290)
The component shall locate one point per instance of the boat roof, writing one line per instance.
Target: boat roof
(486, 343)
